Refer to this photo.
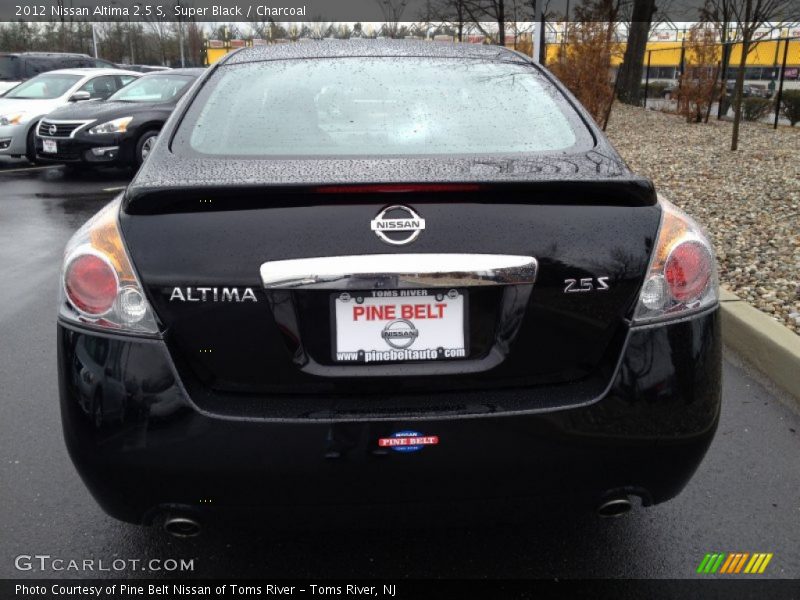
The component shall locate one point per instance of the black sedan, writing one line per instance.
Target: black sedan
(382, 274)
(119, 131)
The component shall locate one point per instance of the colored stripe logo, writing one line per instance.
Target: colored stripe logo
(732, 563)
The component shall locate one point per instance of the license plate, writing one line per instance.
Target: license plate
(399, 326)
(49, 146)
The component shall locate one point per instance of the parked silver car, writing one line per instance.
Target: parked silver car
(22, 107)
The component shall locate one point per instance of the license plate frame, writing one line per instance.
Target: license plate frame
(380, 351)
(50, 146)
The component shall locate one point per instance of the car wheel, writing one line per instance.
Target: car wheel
(145, 145)
(30, 144)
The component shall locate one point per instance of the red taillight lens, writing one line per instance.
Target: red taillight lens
(688, 271)
(91, 284)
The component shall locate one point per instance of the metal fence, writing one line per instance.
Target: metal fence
(779, 48)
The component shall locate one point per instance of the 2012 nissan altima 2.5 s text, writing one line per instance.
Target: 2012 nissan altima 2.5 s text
(382, 274)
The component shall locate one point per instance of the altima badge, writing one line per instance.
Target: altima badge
(397, 225)
(212, 294)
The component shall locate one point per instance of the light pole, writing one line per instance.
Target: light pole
(537, 31)
(94, 41)
(130, 31)
(180, 35)
(130, 40)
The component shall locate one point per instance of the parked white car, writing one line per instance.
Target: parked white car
(22, 107)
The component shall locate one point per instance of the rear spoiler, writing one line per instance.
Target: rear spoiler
(147, 200)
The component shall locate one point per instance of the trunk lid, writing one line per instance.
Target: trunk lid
(229, 335)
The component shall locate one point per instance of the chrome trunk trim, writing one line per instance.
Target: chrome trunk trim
(398, 271)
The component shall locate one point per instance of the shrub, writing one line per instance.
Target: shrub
(698, 83)
(790, 106)
(755, 109)
(585, 67)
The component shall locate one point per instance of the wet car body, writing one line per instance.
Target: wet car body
(564, 390)
(71, 129)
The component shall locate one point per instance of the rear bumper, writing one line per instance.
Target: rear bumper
(151, 447)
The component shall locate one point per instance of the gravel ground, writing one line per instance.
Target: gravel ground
(749, 200)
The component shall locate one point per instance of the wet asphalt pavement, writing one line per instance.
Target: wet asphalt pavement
(745, 496)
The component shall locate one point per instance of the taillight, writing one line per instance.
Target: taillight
(99, 286)
(682, 278)
(91, 284)
(688, 271)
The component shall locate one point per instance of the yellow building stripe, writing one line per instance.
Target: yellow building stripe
(727, 564)
(741, 562)
(766, 53)
(765, 563)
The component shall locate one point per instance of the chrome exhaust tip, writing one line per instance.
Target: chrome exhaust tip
(615, 507)
(181, 526)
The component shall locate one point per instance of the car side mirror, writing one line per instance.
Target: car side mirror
(80, 96)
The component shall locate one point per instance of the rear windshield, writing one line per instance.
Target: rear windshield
(44, 87)
(9, 68)
(153, 88)
(379, 107)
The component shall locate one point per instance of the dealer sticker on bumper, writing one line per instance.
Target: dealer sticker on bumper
(399, 325)
(408, 441)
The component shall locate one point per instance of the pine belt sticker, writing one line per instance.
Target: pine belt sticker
(408, 441)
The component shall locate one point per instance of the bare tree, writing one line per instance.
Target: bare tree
(392, 13)
(343, 31)
(162, 31)
(293, 32)
(492, 10)
(194, 39)
(630, 73)
(720, 13)
(448, 12)
(606, 11)
(112, 36)
(749, 16)
(150, 42)
(317, 29)
(262, 29)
